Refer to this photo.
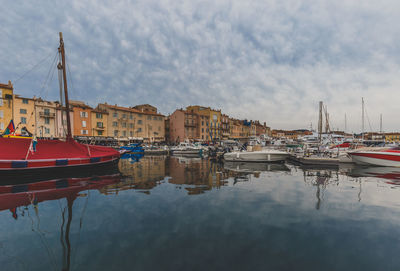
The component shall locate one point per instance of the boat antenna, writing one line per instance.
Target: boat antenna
(60, 66)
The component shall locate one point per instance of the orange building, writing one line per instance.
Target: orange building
(82, 125)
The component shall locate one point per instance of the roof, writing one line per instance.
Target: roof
(79, 104)
(7, 86)
(131, 110)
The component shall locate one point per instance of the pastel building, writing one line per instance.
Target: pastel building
(24, 115)
(128, 123)
(214, 127)
(45, 118)
(82, 118)
(6, 105)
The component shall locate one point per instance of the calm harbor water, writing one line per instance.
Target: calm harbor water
(167, 213)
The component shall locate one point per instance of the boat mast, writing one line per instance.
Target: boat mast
(62, 66)
(362, 118)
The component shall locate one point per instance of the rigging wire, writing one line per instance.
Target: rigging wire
(36, 65)
(369, 123)
(70, 78)
(42, 89)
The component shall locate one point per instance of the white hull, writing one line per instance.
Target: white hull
(386, 159)
(256, 156)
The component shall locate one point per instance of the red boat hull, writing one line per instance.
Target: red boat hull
(19, 154)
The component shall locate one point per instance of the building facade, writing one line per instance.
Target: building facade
(24, 115)
(99, 119)
(6, 105)
(45, 118)
(214, 127)
(130, 123)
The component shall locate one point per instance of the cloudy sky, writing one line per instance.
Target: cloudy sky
(260, 59)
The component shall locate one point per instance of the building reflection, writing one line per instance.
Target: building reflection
(200, 174)
(143, 173)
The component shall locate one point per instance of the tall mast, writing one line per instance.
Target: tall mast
(362, 117)
(380, 126)
(345, 122)
(320, 121)
(62, 66)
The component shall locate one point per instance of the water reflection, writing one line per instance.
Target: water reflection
(271, 210)
(18, 198)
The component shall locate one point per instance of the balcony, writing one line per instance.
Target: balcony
(47, 115)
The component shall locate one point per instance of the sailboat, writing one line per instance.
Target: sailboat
(31, 155)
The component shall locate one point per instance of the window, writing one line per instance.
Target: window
(154, 118)
(140, 122)
(124, 116)
(99, 115)
(124, 124)
(131, 134)
(46, 130)
(139, 130)
(140, 115)
(115, 124)
(84, 114)
(47, 120)
(83, 123)
(22, 111)
(115, 132)
(23, 120)
(99, 125)
(84, 132)
(1, 114)
(115, 115)
(1, 101)
(159, 118)
(25, 101)
(47, 111)
(149, 117)
(131, 116)
(131, 125)
(202, 130)
(202, 123)
(99, 133)
(124, 133)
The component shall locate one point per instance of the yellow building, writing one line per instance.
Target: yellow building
(6, 105)
(392, 137)
(99, 122)
(126, 123)
(24, 115)
(215, 119)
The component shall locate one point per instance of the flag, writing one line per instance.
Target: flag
(10, 128)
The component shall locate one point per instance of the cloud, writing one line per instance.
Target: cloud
(267, 60)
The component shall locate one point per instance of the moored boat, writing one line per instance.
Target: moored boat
(256, 156)
(27, 155)
(381, 157)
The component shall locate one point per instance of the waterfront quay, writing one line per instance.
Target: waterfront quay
(179, 213)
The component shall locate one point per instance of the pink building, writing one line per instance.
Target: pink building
(183, 125)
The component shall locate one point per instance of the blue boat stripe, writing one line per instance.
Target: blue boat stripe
(94, 159)
(19, 164)
(61, 162)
